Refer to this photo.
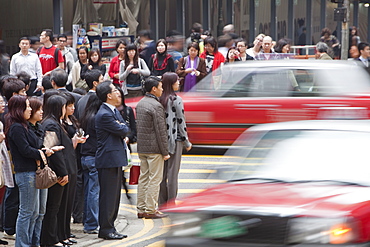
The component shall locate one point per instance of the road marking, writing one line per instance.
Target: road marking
(197, 171)
(165, 221)
(201, 181)
(181, 191)
(148, 226)
(160, 243)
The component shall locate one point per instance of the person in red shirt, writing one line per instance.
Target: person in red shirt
(47, 53)
(115, 63)
(211, 55)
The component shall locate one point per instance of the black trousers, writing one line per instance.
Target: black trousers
(65, 212)
(49, 231)
(109, 198)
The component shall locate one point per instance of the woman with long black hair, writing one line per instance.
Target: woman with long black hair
(25, 147)
(90, 173)
(161, 62)
(75, 75)
(55, 134)
(177, 136)
(94, 62)
(131, 70)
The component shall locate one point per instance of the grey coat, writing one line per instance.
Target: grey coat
(151, 126)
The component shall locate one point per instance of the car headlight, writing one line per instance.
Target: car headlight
(185, 225)
(322, 230)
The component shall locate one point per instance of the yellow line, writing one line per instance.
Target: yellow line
(161, 243)
(205, 181)
(197, 171)
(181, 191)
(163, 230)
(148, 226)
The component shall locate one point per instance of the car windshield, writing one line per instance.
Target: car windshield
(267, 80)
(302, 156)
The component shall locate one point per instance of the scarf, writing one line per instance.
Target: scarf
(164, 64)
(190, 78)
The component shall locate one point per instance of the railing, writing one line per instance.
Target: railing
(304, 51)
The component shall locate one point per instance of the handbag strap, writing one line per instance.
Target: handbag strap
(43, 159)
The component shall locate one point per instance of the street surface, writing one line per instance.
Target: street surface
(197, 172)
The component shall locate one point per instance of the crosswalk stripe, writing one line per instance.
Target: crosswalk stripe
(201, 181)
(180, 191)
(197, 171)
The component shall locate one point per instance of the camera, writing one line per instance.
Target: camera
(195, 37)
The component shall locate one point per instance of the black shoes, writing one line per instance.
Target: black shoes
(113, 236)
(91, 231)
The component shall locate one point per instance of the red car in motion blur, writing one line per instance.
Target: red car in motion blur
(300, 183)
(244, 94)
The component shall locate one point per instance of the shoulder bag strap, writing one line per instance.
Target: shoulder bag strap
(43, 159)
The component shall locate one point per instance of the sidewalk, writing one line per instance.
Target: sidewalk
(84, 239)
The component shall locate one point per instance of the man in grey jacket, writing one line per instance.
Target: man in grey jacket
(152, 148)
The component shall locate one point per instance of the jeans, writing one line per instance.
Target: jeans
(39, 216)
(92, 188)
(28, 198)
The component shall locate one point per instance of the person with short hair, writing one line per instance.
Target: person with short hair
(59, 79)
(192, 68)
(114, 66)
(257, 46)
(111, 131)
(211, 55)
(49, 57)
(364, 50)
(25, 61)
(93, 78)
(67, 55)
(94, 62)
(152, 147)
(322, 51)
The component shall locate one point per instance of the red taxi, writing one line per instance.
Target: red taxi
(303, 183)
(242, 95)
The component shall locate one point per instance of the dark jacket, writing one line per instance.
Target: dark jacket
(24, 146)
(90, 146)
(110, 132)
(102, 69)
(62, 162)
(128, 115)
(151, 126)
(170, 67)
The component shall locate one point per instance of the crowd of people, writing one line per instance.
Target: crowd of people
(65, 104)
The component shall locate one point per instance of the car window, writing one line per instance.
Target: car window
(293, 155)
(283, 81)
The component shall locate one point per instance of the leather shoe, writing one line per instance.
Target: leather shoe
(140, 215)
(66, 242)
(113, 236)
(91, 231)
(72, 236)
(156, 215)
(73, 241)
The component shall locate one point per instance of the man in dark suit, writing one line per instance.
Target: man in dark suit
(110, 157)
(364, 49)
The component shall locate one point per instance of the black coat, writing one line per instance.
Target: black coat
(62, 162)
(24, 146)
